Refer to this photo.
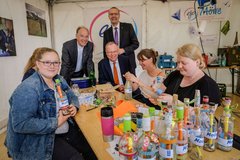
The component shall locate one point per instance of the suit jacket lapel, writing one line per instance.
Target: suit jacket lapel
(121, 34)
(122, 68)
(84, 54)
(109, 70)
(75, 53)
(111, 34)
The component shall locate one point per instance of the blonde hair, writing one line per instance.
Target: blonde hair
(193, 52)
(37, 55)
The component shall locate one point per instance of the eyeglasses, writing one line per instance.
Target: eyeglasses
(48, 63)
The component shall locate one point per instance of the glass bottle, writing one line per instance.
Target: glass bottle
(92, 78)
(152, 114)
(211, 130)
(61, 98)
(197, 98)
(139, 124)
(167, 139)
(225, 128)
(188, 121)
(182, 141)
(128, 90)
(148, 143)
(196, 138)
(174, 105)
(127, 143)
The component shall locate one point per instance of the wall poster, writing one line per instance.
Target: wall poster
(7, 40)
(36, 21)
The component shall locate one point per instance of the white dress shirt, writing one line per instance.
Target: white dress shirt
(79, 58)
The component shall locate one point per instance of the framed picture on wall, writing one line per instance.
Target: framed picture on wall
(36, 21)
(7, 40)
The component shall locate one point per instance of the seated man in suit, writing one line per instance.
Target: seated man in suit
(77, 56)
(112, 68)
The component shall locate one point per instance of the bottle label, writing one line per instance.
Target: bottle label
(166, 153)
(199, 141)
(63, 103)
(128, 90)
(210, 135)
(182, 149)
(140, 158)
(225, 142)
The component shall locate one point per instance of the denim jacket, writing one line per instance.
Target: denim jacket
(32, 119)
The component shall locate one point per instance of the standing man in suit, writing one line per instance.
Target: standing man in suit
(113, 67)
(123, 35)
(77, 56)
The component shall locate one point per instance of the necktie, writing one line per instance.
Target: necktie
(116, 35)
(115, 73)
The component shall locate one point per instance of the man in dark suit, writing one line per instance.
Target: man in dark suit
(77, 56)
(123, 35)
(106, 67)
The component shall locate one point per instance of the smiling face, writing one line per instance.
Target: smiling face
(82, 37)
(114, 16)
(112, 51)
(145, 62)
(48, 65)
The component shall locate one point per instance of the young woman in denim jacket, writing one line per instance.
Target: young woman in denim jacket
(33, 117)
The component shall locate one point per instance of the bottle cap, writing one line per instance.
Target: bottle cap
(186, 100)
(205, 99)
(159, 91)
(106, 112)
(57, 80)
(151, 111)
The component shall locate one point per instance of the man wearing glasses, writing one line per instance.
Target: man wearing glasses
(77, 56)
(123, 35)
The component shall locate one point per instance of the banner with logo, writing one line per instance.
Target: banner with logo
(184, 11)
(96, 19)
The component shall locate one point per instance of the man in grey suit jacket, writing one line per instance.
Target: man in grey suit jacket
(123, 35)
(77, 56)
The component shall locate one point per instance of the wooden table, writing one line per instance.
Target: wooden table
(91, 128)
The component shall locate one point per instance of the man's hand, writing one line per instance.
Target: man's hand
(121, 51)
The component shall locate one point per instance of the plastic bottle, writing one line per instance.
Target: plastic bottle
(127, 143)
(128, 90)
(61, 98)
(225, 128)
(148, 142)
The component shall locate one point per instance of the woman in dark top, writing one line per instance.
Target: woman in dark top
(189, 76)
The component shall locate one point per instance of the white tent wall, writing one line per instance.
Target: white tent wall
(157, 30)
(12, 67)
